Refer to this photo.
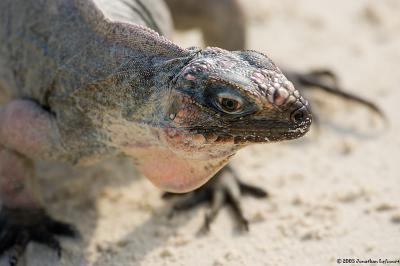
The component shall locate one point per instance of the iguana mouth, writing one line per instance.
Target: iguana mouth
(254, 131)
(213, 143)
(273, 134)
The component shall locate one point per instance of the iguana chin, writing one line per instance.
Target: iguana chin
(84, 86)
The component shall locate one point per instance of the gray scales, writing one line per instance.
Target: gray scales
(84, 80)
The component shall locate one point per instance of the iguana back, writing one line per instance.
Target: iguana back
(40, 39)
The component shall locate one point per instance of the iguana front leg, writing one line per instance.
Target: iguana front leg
(26, 131)
(224, 188)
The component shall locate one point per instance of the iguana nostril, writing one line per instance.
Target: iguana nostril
(299, 115)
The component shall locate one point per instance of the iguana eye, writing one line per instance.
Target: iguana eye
(229, 103)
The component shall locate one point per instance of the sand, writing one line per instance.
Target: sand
(335, 194)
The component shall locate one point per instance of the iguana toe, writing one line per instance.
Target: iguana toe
(223, 189)
(19, 227)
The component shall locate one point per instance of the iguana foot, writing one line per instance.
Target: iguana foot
(223, 188)
(327, 81)
(19, 227)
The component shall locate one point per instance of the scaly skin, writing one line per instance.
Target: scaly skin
(83, 86)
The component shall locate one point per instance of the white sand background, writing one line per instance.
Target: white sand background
(334, 195)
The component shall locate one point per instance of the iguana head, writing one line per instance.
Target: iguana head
(219, 102)
(237, 97)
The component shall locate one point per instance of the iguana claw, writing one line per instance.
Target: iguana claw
(19, 227)
(223, 188)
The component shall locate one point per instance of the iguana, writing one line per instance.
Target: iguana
(83, 80)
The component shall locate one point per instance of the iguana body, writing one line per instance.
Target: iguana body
(84, 80)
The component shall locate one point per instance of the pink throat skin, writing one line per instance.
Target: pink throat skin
(178, 162)
(173, 173)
